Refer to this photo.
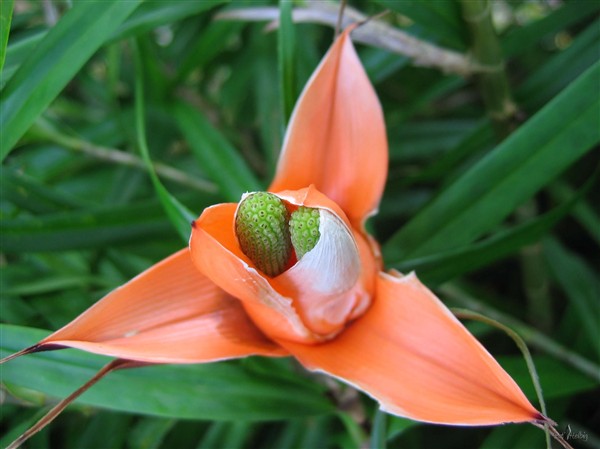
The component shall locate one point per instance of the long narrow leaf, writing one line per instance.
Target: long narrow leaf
(211, 42)
(17, 52)
(6, 9)
(440, 267)
(90, 228)
(440, 19)
(521, 39)
(216, 155)
(550, 78)
(217, 391)
(529, 159)
(580, 284)
(583, 211)
(151, 15)
(180, 216)
(285, 41)
(32, 195)
(55, 61)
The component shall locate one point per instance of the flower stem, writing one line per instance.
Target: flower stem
(502, 110)
(55, 411)
(487, 54)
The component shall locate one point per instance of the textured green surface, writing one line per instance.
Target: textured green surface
(261, 226)
(304, 229)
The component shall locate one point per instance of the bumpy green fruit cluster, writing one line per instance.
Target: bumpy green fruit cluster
(304, 229)
(261, 226)
(268, 234)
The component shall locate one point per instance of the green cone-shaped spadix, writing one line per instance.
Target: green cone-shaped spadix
(261, 225)
(304, 229)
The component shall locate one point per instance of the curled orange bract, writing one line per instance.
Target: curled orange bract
(341, 268)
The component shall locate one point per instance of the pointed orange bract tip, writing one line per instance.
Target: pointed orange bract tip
(170, 313)
(336, 138)
(412, 355)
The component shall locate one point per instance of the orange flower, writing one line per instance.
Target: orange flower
(333, 308)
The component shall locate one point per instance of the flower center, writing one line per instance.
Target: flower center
(269, 235)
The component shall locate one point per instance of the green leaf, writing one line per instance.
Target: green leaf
(427, 140)
(445, 265)
(521, 39)
(580, 284)
(480, 137)
(515, 437)
(218, 158)
(149, 433)
(113, 427)
(209, 44)
(53, 283)
(216, 391)
(268, 100)
(285, 51)
(18, 51)
(399, 425)
(289, 435)
(557, 379)
(29, 193)
(380, 64)
(440, 19)
(442, 266)
(6, 10)
(179, 215)
(226, 435)
(89, 228)
(148, 16)
(583, 212)
(54, 62)
(379, 433)
(560, 70)
(151, 15)
(529, 159)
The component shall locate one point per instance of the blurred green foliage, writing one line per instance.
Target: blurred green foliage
(503, 222)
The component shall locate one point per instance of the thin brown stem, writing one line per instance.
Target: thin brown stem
(58, 408)
(115, 156)
(556, 435)
(374, 33)
(338, 25)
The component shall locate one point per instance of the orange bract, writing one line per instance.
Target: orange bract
(412, 355)
(154, 316)
(336, 139)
